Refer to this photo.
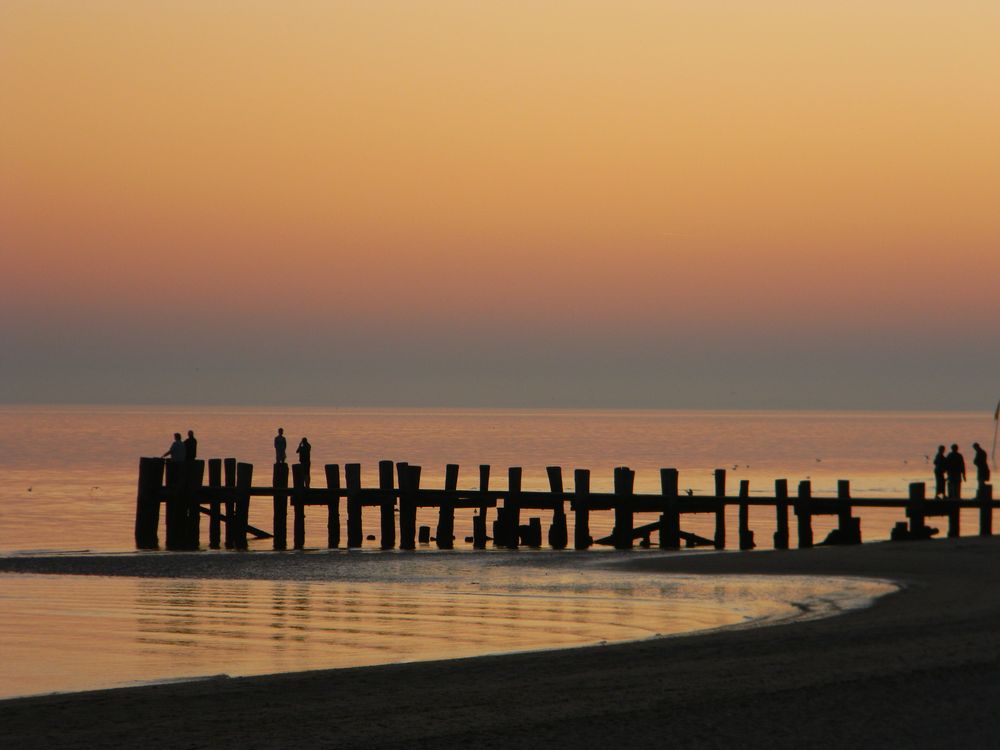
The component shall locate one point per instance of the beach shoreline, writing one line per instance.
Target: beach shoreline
(919, 668)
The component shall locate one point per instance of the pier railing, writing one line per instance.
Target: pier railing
(180, 488)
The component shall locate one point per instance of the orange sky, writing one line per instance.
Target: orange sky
(772, 169)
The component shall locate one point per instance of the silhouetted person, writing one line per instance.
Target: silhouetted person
(176, 451)
(280, 445)
(305, 458)
(940, 469)
(190, 447)
(982, 464)
(956, 473)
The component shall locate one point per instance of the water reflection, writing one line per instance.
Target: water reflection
(70, 633)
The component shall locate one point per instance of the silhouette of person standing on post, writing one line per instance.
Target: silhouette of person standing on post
(176, 451)
(305, 458)
(982, 464)
(190, 447)
(940, 469)
(956, 473)
(280, 444)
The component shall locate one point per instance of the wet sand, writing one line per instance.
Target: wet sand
(920, 668)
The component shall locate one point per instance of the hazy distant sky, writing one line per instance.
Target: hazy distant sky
(385, 202)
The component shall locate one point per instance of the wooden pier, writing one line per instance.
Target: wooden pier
(181, 490)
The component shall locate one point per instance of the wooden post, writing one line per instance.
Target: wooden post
(194, 475)
(387, 508)
(244, 480)
(183, 514)
(409, 486)
(147, 503)
(445, 535)
(229, 468)
(720, 510)
(781, 508)
(581, 526)
(280, 483)
(479, 522)
(298, 506)
(746, 536)
(849, 529)
(512, 509)
(215, 503)
(986, 510)
(534, 535)
(174, 511)
(352, 479)
(333, 507)
(624, 515)
(804, 513)
(670, 520)
(918, 491)
(558, 534)
(954, 521)
(720, 482)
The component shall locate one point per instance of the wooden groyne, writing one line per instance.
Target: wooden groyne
(181, 489)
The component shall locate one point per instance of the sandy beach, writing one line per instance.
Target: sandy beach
(920, 668)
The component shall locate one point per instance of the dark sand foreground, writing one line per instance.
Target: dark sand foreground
(920, 668)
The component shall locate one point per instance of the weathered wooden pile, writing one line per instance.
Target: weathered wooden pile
(225, 500)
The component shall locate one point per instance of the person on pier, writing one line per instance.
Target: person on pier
(940, 470)
(982, 464)
(280, 444)
(956, 473)
(190, 447)
(305, 458)
(176, 450)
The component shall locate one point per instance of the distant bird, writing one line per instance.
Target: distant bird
(690, 491)
(29, 489)
(905, 461)
(735, 467)
(926, 457)
(818, 460)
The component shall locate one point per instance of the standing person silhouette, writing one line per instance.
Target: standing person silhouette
(956, 473)
(305, 458)
(190, 447)
(982, 464)
(940, 469)
(176, 450)
(280, 444)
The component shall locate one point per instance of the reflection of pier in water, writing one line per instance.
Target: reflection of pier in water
(194, 621)
(225, 500)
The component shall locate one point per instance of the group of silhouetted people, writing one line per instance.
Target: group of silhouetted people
(304, 450)
(949, 471)
(183, 450)
(187, 450)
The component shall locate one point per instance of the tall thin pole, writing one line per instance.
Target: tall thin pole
(996, 424)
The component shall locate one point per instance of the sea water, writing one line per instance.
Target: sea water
(68, 482)
(68, 474)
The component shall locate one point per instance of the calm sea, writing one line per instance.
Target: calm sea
(68, 483)
(68, 474)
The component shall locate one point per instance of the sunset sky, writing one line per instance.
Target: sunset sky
(637, 203)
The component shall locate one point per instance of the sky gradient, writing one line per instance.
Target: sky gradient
(652, 204)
